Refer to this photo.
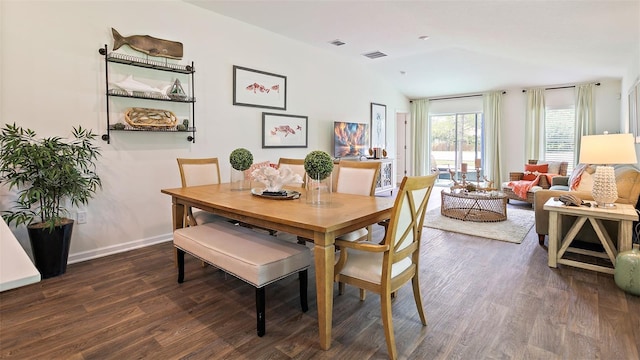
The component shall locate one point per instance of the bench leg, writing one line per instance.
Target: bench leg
(180, 256)
(260, 305)
(303, 277)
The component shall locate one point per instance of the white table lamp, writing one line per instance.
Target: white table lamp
(605, 150)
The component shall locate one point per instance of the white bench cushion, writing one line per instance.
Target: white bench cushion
(256, 258)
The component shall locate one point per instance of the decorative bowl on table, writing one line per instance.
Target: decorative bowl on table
(274, 179)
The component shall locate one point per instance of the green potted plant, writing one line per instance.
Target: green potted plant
(241, 159)
(318, 166)
(48, 172)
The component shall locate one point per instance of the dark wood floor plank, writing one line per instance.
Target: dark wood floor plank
(483, 299)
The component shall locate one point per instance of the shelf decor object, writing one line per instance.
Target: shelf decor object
(605, 150)
(144, 118)
(259, 89)
(284, 131)
(176, 92)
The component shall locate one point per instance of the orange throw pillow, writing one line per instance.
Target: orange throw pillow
(531, 172)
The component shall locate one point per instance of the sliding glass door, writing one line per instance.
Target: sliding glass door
(457, 144)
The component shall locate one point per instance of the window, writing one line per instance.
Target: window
(560, 135)
(457, 139)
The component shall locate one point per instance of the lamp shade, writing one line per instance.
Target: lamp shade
(608, 149)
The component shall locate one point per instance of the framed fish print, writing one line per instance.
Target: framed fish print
(259, 89)
(283, 131)
(378, 125)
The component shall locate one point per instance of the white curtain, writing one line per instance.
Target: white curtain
(585, 116)
(420, 140)
(534, 141)
(493, 144)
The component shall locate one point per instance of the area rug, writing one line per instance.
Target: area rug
(514, 229)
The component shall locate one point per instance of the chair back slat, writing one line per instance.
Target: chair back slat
(358, 177)
(195, 172)
(407, 218)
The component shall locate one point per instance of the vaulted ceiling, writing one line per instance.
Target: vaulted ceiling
(473, 46)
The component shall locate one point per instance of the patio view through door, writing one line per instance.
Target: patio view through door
(457, 139)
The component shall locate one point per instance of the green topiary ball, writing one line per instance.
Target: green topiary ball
(241, 159)
(181, 127)
(318, 164)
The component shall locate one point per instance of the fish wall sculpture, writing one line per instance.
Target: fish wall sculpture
(148, 45)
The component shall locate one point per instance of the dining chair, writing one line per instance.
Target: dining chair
(384, 268)
(194, 172)
(357, 178)
(296, 165)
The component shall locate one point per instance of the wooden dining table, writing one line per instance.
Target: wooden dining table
(321, 224)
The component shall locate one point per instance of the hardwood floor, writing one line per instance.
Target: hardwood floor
(483, 299)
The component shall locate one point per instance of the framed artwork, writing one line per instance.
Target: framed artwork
(378, 125)
(634, 111)
(282, 131)
(259, 89)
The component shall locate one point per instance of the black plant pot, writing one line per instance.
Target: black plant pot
(51, 248)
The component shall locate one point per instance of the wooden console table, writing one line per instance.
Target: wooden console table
(624, 214)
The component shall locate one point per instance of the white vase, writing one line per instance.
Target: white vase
(318, 192)
(239, 181)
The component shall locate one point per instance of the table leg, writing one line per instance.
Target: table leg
(625, 228)
(554, 234)
(177, 211)
(324, 258)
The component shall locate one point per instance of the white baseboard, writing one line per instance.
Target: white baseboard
(115, 249)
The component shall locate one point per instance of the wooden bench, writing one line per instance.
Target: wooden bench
(256, 258)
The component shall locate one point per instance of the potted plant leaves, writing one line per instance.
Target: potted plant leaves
(318, 166)
(48, 172)
(241, 159)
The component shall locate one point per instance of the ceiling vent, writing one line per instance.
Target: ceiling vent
(375, 55)
(337, 42)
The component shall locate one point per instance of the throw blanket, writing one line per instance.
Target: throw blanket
(522, 187)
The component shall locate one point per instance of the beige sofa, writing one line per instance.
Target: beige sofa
(628, 183)
(555, 167)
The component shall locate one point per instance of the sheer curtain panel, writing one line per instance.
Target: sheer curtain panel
(534, 125)
(493, 124)
(420, 142)
(585, 115)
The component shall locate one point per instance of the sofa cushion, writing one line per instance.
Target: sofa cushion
(628, 182)
(554, 166)
(576, 177)
(586, 181)
(531, 172)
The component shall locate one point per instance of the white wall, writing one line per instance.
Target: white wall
(52, 78)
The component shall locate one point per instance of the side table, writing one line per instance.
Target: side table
(624, 214)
